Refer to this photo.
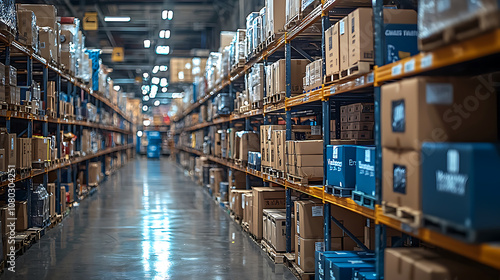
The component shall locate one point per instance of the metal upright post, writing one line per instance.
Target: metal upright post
(248, 127)
(58, 145)
(288, 88)
(380, 230)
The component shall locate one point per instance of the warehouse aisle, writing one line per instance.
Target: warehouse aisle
(148, 221)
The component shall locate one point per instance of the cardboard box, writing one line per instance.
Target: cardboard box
(298, 70)
(48, 44)
(46, 15)
(308, 147)
(332, 50)
(278, 231)
(309, 160)
(437, 109)
(62, 192)
(361, 107)
(311, 172)
(8, 141)
(247, 205)
(362, 126)
(401, 178)
(27, 30)
(361, 117)
(305, 250)
(344, 43)
(279, 149)
(309, 218)
(216, 176)
(235, 202)
(265, 198)
(40, 147)
(51, 189)
(10, 76)
(248, 141)
(21, 216)
(94, 173)
(365, 170)
(275, 17)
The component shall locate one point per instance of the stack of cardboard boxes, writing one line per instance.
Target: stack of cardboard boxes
(246, 141)
(264, 198)
(314, 78)
(349, 43)
(431, 109)
(357, 121)
(236, 202)
(276, 78)
(12, 92)
(27, 29)
(305, 159)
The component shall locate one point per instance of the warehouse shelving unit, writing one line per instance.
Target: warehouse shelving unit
(482, 52)
(31, 67)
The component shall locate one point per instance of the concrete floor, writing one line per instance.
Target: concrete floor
(148, 221)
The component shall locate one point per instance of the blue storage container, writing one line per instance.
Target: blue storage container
(321, 256)
(341, 166)
(460, 190)
(343, 270)
(95, 57)
(154, 144)
(365, 170)
(399, 39)
(364, 275)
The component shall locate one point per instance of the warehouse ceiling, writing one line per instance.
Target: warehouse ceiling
(194, 31)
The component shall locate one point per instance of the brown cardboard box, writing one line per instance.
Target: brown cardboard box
(309, 172)
(248, 142)
(3, 78)
(344, 43)
(361, 107)
(46, 15)
(309, 160)
(11, 95)
(10, 76)
(361, 31)
(361, 135)
(278, 231)
(51, 189)
(62, 192)
(267, 228)
(401, 178)
(298, 69)
(47, 44)
(217, 145)
(275, 17)
(235, 202)
(332, 50)
(279, 148)
(309, 218)
(40, 148)
(308, 147)
(3, 167)
(437, 109)
(265, 198)
(9, 143)
(21, 216)
(369, 126)
(26, 25)
(94, 173)
(216, 176)
(305, 250)
(247, 203)
(361, 117)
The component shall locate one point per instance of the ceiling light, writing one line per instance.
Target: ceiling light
(155, 69)
(152, 95)
(139, 133)
(181, 75)
(170, 15)
(162, 50)
(157, 103)
(117, 19)
(162, 34)
(155, 80)
(145, 98)
(164, 89)
(163, 82)
(145, 75)
(146, 122)
(154, 89)
(187, 66)
(163, 68)
(167, 34)
(144, 92)
(177, 95)
(147, 44)
(145, 108)
(117, 88)
(164, 14)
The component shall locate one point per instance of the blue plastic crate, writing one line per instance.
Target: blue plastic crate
(341, 166)
(460, 190)
(365, 170)
(343, 270)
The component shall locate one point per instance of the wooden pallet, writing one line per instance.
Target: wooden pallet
(339, 191)
(244, 109)
(40, 164)
(266, 170)
(277, 97)
(329, 79)
(454, 230)
(4, 106)
(363, 199)
(412, 218)
(257, 105)
(359, 69)
(302, 181)
(465, 29)
(23, 171)
(277, 258)
(295, 269)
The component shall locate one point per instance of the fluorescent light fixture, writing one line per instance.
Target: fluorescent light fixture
(139, 133)
(163, 49)
(164, 89)
(144, 92)
(196, 61)
(146, 122)
(155, 80)
(181, 75)
(162, 34)
(163, 68)
(177, 95)
(145, 98)
(117, 19)
(147, 44)
(163, 82)
(188, 65)
(154, 89)
(157, 103)
(145, 108)
(167, 34)
(117, 88)
(155, 69)
(152, 95)
(164, 14)
(170, 15)
(145, 75)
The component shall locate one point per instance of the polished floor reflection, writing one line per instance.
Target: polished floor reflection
(148, 221)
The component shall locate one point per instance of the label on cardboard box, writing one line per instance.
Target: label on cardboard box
(399, 181)
(341, 27)
(398, 116)
(319, 246)
(439, 93)
(317, 211)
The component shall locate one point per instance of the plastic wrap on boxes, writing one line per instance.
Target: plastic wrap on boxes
(28, 31)
(257, 26)
(39, 206)
(292, 9)
(85, 67)
(225, 103)
(435, 16)
(94, 56)
(47, 43)
(8, 15)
